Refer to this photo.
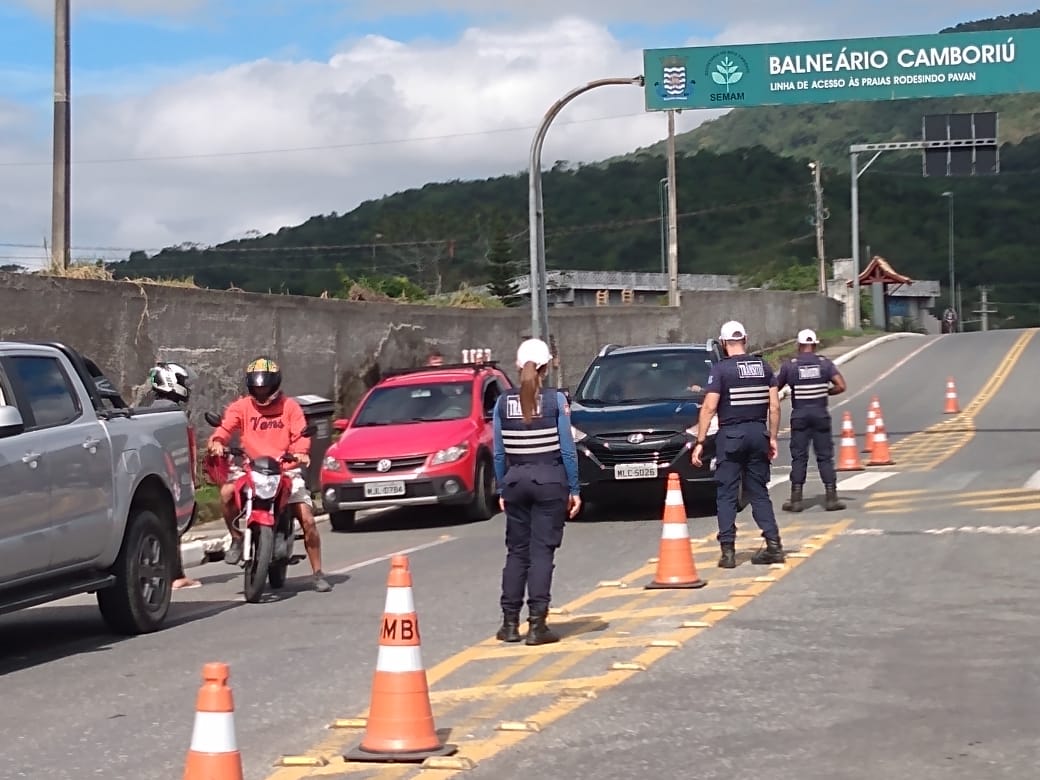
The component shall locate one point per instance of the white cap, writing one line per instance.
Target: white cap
(533, 351)
(732, 331)
(807, 336)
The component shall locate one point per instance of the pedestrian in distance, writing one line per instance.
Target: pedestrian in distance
(742, 391)
(536, 468)
(812, 379)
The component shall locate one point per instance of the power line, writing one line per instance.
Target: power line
(320, 148)
(611, 225)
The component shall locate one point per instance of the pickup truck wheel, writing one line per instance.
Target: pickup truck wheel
(485, 502)
(140, 599)
(342, 520)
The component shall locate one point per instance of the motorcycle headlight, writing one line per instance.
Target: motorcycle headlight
(577, 435)
(449, 454)
(265, 485)
(331, 464)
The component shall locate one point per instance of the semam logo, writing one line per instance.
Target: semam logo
(727, 69)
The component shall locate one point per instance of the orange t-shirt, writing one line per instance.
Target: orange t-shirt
(264, 430)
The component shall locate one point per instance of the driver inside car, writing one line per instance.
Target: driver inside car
(268, 424)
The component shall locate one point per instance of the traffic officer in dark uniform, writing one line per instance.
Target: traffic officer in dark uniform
(536, 466)
(742, 390)
(811, 378)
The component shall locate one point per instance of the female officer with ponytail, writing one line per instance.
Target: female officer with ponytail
(536, 466)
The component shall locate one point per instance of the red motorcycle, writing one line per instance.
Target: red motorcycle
(264, 515)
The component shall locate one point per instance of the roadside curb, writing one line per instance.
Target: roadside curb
(855, 352)
(852, 354)
(204, 546)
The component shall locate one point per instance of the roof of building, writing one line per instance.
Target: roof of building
(629, 280)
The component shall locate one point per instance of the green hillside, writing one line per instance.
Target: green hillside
(742, 211)
(825, 132)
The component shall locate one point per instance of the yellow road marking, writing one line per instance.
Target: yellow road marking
(927, 449)
(576, 691)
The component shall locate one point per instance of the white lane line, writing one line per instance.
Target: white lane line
(865, 480)
(899, 364)
(777, 481)
(1033, 483)
(388, 556)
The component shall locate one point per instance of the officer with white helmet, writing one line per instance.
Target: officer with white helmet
(812, 378)
(536, 467)
(742, 390)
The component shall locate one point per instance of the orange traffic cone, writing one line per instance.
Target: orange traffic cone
(675, 565)
(400, 719)
(952, 407)
(880, 456)
(848, 459)
(868, 440)
(214, 750)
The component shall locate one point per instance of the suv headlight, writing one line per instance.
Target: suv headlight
(449, 454)
(577, 435)
(331, 464)
(713, 427)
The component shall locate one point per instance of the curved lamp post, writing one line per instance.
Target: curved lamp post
(539, 297)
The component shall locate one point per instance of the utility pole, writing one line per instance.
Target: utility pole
(819, 216)
(673, 222)
(984, 309)
(61, 168)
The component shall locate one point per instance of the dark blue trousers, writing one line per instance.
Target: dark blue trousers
(536, 512)
(742, 452)
(812, 426)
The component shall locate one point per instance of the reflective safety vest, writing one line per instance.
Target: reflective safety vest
(537, 442)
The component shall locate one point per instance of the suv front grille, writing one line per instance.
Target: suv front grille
(396, 464)
(612, 457)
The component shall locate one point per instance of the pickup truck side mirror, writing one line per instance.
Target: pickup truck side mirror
(340, 425)
(212, 419)
(11, 422)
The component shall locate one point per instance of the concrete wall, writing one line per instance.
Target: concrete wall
(329, 347)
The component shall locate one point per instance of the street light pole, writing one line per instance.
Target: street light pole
(539, 302)
(673, 220)
(953, 304)
(60, 165)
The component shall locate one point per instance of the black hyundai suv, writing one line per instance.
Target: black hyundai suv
(634, 419)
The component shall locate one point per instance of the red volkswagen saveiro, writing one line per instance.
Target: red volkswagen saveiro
(420, 436)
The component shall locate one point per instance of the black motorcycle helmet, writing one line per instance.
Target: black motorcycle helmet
(263, 380)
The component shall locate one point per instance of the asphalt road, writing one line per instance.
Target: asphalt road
(901, 643)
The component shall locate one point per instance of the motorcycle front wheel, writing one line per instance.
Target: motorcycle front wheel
(260, 560)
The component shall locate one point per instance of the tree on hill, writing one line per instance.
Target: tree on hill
(503, 269)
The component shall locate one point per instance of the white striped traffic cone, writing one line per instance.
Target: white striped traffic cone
(214, 750)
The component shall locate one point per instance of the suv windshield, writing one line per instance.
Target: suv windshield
(416, 403)
(645, 376)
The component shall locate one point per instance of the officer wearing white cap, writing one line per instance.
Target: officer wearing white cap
(742, 390)
(812, 378)
(536, 466)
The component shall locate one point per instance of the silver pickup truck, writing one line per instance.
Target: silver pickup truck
(93, 493)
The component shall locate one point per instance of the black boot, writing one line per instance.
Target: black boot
(510, 630)
(830, 501)
(774, 553)
(538, 633)
(795, 503)
(729, 556)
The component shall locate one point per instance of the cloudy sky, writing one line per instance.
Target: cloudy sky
(201, 120)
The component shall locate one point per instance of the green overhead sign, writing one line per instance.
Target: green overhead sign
(855, 69)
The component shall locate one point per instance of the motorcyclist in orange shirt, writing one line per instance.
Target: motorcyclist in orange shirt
(267, 422)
